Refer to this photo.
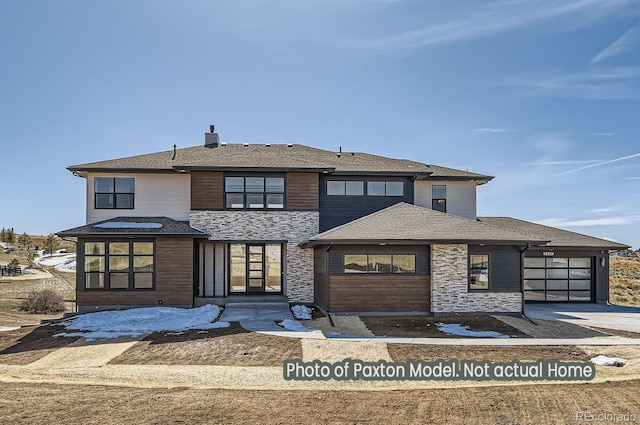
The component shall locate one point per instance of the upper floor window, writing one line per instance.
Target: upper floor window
(114, 193)
(479, 271)
(254, 192)
(439, 198)
(357, 188)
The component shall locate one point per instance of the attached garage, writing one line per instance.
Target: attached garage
(559, 279)
(570, 267)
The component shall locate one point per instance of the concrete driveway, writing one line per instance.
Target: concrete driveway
(598, 315)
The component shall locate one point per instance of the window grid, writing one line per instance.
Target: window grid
(256, 192)
(357, 188)
(117, 265)
(114, 193)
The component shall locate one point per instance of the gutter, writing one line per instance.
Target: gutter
(522, 251)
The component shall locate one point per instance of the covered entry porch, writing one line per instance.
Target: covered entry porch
(245, 271)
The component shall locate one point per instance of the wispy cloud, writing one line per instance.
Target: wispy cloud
(492, 130)
(625, 42)
(566, 162)
(603, 210)
(601, 134)
(632, 178)
(595, 83)
(494, 17)
(605, 221)
(599, 164)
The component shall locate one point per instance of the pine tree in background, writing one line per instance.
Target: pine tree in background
(9, 236)
(24, 240)
(51, 244)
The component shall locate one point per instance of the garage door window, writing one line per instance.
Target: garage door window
(557, 279)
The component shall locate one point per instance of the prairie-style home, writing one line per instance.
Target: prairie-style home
(350, 232)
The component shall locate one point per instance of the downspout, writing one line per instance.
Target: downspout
(522, 251)
(329, 315)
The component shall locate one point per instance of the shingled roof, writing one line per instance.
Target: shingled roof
(557, 238)
(405, 224)
(130, 226)
(236, 156)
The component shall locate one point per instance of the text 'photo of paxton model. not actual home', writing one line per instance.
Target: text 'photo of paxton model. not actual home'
(350, 232)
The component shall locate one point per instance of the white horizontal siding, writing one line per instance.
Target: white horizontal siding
(461, 196)
(156, 195)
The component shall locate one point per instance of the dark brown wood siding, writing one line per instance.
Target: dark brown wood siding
(383, 293)
(207, 190)
(174, 280)
(302, 191)
(320, 278)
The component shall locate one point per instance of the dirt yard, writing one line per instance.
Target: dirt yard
(231, 346)
(26, 345)
(425, 326)
(531, 404)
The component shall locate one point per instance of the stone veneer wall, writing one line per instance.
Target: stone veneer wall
(450, 283)
(292, 226)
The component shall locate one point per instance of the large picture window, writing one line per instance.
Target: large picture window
(479, 271)
(114, 193)
(119, 265)
(379, 263)
(254, 192)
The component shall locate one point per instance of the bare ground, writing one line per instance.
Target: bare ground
(26, 345)
(425, 326)
(531, 404)
(406, 352)
(231, 346)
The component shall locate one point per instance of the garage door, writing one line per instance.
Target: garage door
(557, 279)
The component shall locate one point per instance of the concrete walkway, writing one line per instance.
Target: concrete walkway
(257, 316)
(596, 315)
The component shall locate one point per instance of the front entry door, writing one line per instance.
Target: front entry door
(255, 268)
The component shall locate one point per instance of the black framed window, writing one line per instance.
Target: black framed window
(119, 265)
(479, 271)
(254, 192)
(439, 198)
(379, 263)
(114, 192)
(357, 188)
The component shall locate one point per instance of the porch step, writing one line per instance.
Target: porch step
(253, 299)
(259, 305)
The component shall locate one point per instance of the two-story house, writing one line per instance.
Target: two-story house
(347, 231)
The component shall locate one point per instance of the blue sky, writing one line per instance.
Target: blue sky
(542, 94)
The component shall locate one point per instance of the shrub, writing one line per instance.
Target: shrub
(43, 301)
(14, 263)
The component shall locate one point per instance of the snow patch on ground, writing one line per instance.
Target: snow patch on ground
(301, 312)
(293, 325)
(608, 361)
(457, 329)
(140, 321)
(62, 261)
(8, 328)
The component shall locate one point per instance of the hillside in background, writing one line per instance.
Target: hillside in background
(624, 281)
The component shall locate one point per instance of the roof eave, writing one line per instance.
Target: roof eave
(189, 168)
(322, 242)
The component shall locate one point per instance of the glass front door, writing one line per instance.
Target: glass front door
(255, 268)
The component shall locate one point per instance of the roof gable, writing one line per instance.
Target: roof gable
(410, 223)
